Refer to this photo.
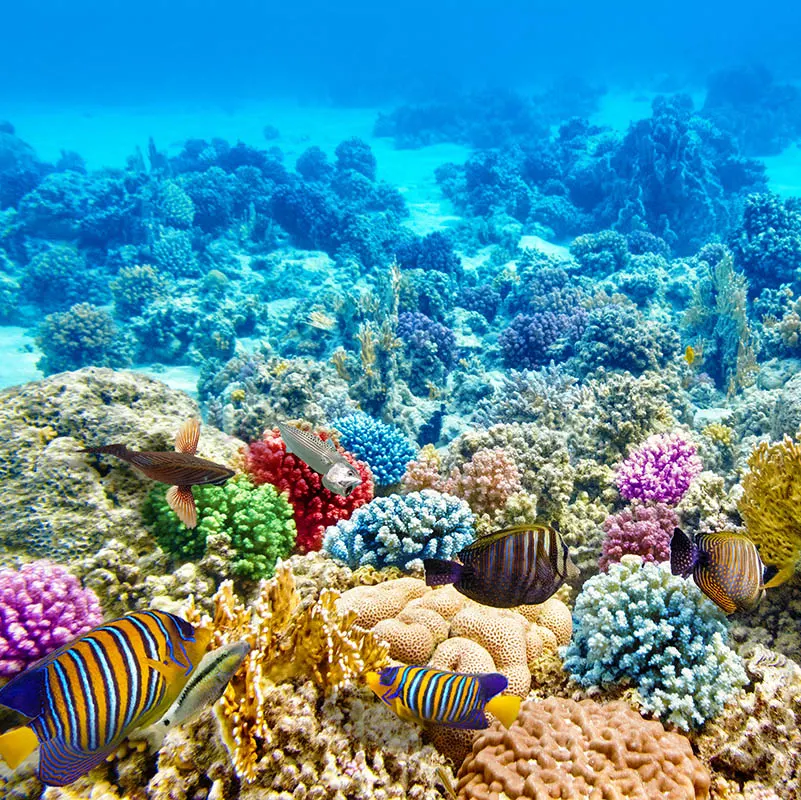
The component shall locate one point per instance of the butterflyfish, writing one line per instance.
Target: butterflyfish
(204, 688)
(725, 566)
(339, 475)
(84, 699)
(449, 699)
(180, 468)
(517, 566)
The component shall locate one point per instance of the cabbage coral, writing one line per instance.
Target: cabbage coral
(771, 505)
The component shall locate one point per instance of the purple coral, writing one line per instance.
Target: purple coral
(661, 469)
(527, 342)
(421, 333)
(642, 530)
(42, 607)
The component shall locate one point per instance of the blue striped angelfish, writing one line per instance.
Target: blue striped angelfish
(725, 566)
(517, 566)
(449, 699)
(84, 699)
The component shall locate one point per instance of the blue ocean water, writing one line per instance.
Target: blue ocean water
(530, 269)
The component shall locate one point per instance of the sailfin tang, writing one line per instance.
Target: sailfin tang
(188, 437)
(182, 502)
(683, 554)
(440, 572)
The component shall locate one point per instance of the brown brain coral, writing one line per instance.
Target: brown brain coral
(567, 749)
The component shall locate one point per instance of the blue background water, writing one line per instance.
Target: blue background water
(117, 52)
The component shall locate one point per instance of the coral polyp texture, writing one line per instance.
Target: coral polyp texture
(642, 530)
(660, 469)
(400, 531)
(315, 507)
(42, 607)
(639, 625)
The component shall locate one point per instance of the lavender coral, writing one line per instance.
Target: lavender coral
(661, 469)
(644, 531)
(42, 607)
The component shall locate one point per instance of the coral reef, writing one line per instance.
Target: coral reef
(42, 607)
(641, 530)
(315, 508)
(638, 624)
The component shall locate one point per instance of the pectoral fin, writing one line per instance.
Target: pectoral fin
(182, 502)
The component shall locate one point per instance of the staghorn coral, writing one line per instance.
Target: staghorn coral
(771, 504)
(639, 624)
(569, 749)
(315, 508)
(401, 530)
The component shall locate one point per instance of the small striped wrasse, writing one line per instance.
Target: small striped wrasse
(181, 468)
(449, 699)
(517, 566)
(84, 699)
(725, 566)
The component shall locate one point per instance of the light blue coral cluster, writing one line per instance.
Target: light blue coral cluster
(382, 446)
(401, 530)
(637, 622)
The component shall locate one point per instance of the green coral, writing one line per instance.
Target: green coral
(257, 519)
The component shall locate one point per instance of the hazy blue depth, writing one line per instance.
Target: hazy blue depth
(115, 52)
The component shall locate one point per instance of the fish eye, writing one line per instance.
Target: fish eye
(166, 722)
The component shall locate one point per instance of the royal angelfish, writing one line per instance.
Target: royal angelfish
(725, 566)
(203, 689)
(84, 699)
(449, 699)
(339, 475)
(180, 468)
(518, 566)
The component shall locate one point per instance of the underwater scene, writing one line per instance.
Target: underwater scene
(400, 402)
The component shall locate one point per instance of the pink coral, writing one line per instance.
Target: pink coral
(423, 471)
(661, 469)
(486, 481)
(642, 530)
(42, 607)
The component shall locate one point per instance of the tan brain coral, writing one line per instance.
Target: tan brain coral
(554, 615)
(559, 748)
(411, 643)
(382, 601)
(462, 655)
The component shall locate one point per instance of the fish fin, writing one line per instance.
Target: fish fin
(187, 438)
(782, 576)
(475, 721)
(60, 764)
(768, 574)
(709, 585)
(505, 707)
(492, 683)
(440, 572)
(25, 693)
(330, 446)
(182, 502)
(683, 554)
(162, 669)
(119, 450)
(16, 745)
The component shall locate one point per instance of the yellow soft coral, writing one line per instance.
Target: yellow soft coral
(771, 505)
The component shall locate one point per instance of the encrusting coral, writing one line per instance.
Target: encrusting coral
(568, 749)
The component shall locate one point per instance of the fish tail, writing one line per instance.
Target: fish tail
(440, 572)
(119, 450)
(16, 745)
(505, 707)
(683, 553)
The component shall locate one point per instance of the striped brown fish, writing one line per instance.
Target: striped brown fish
(725, 566)
(83, 700)
(513, 567)
(449, 699)
(181, 468)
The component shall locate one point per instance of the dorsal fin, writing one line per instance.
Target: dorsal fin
(188, 437)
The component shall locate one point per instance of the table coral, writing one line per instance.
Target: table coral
(267, 461)
(771, 505)
(639, 624)
(42, 607)
(402, 530)
(258, 520)
(564, 748)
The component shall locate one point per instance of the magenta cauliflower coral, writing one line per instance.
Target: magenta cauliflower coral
(42, 607)
(641, 530)
(661, 469)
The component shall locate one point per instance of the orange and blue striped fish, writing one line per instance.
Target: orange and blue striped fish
(725, 566)
(84, 699)
(449, 699)
(517, 566)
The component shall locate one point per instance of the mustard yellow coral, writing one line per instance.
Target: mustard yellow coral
(771, 505)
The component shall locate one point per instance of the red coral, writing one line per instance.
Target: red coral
(267, 461)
